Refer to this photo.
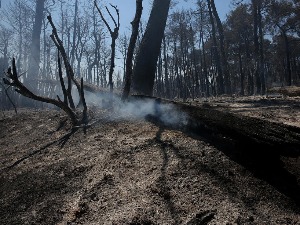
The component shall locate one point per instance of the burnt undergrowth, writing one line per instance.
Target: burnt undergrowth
(27, 195)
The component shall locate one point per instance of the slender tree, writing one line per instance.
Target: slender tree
(135, 31)
(216, 53)
(114, 33)
(222, 48)
(34, 58)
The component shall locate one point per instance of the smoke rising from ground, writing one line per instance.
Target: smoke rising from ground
(167, 114)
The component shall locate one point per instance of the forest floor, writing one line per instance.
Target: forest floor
(125, 170)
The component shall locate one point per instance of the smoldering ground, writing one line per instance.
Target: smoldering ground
(138, 109)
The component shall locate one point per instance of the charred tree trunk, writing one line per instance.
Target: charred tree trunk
(72, 54)
(135, 31)
(224, 62)
(220, 78)
(258, 53)
(261, 52)
(242, 74)
(287, 55)
(167, 85)
(149, 50)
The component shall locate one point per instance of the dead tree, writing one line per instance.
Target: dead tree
(13, 80)
(67, 104)
(114, 35)
(135, 31)
(70, 73)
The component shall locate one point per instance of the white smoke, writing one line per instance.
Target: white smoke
(140, 109)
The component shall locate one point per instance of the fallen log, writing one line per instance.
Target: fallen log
(92, 88)
(243, 130)
(290, 91)
(87, 86)
(256, 144)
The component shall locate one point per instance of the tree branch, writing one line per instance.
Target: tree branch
(102, 17)
(13, 80)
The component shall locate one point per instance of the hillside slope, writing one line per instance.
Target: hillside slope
(132, 171)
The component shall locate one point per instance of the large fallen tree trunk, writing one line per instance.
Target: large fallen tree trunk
(242, 130)
(93, 88)
(86, 86)
(290, 91)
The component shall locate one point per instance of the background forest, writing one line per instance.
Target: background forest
(255, 48)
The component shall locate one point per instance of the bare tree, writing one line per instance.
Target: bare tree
(75, 32)
(13, 80)
(6, 35)
(67, 104)
(114, 33)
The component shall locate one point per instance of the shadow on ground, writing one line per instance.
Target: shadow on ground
(262, 160)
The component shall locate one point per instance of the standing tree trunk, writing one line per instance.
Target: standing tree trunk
(256, 17)
(220, 78)
(72, 54)
(34, 58)
(261, 52)
(167, 85)
(222, 49)
(114, 35)
(135, 31)
(242, 74)
(149, 50)
(287, 55)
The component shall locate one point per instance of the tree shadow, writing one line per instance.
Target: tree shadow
(164, 191)
(262, 160)
(166, 148)
(61, 141)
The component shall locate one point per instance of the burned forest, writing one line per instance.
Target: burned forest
(150, 112)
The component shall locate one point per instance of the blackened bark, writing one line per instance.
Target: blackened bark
(13, 80)
(62, 83)
(255, 12)
(135, 31)
(167, 85)
(220, 78)
(149, 50)
(242, 74)
(70, 73)
(114, 35)
(261, 52)
(287, 52)
(222, 49)
(72, 58)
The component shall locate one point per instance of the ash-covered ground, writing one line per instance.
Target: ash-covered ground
(127, 170)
